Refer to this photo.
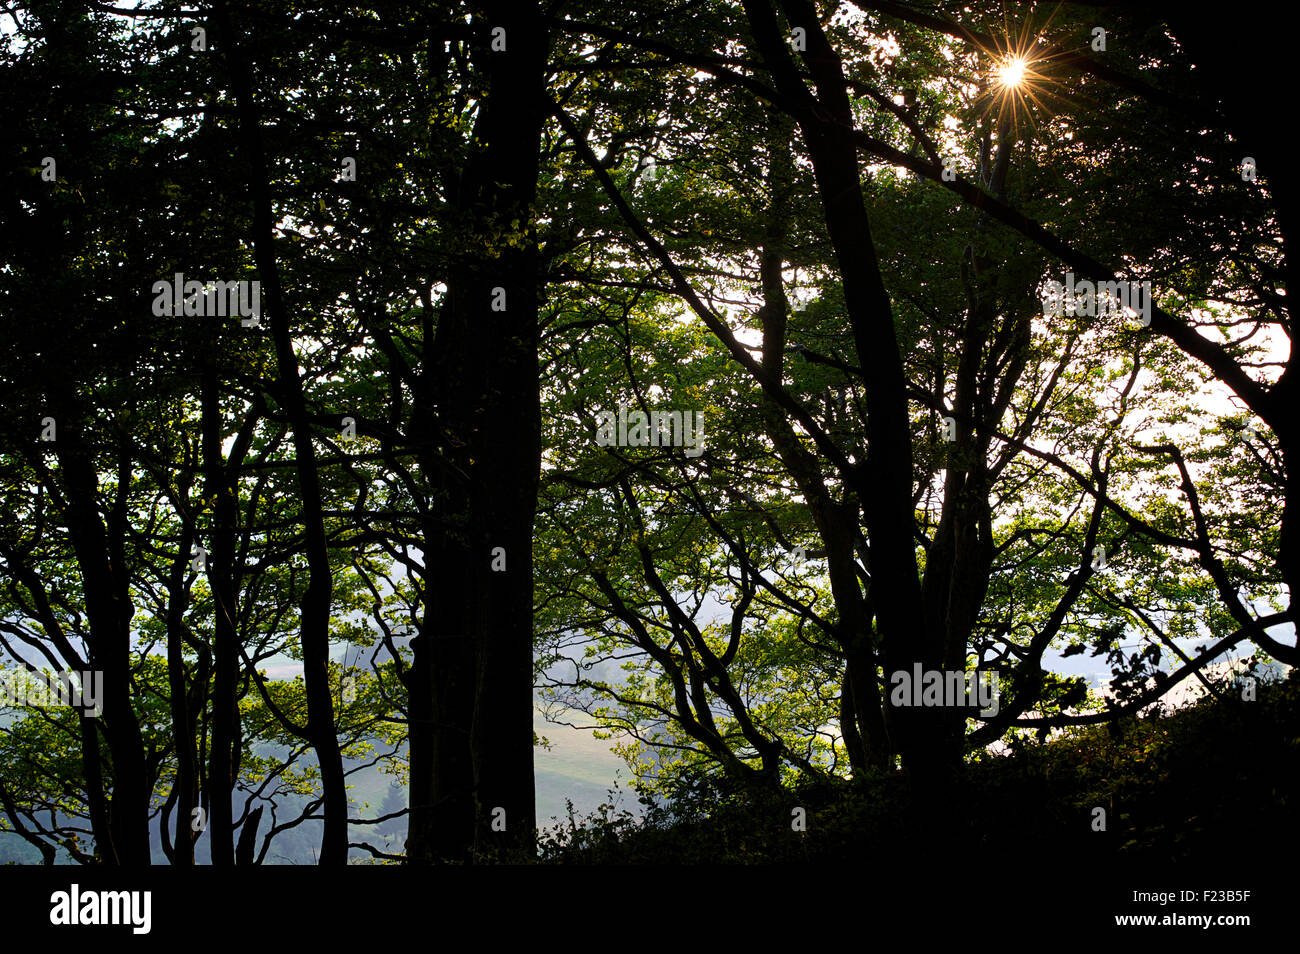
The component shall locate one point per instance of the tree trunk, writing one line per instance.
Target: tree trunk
(220, 572)
(109, 610)
(317, 601)
(474, 655)
(884, 482)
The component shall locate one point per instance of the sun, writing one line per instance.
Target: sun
(1012, 72)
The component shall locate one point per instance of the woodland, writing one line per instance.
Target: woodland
(683, 369)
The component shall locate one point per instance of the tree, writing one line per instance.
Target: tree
(952, 571)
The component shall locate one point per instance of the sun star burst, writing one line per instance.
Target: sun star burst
(1012, 72)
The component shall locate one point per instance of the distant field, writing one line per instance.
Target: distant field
(578, 767)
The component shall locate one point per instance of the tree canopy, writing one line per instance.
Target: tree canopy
(716, 371)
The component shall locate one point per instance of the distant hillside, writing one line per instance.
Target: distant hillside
(577, 768)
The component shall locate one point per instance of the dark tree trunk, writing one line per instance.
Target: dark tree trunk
(317, 601)
(244, 853)
(109, 611)
(883, 484)
(59, 236)
(182, 718)
(220, 571)
(474, 654)
(861, 720)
